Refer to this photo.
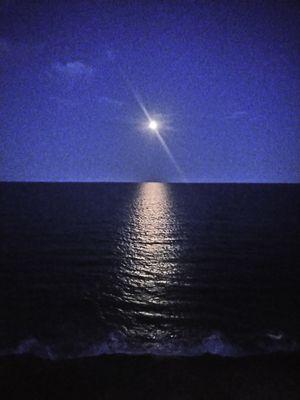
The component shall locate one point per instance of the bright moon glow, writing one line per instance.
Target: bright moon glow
(153, 125)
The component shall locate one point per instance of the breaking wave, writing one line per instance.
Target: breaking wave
(215, 343)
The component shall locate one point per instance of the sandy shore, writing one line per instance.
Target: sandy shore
(274, 376)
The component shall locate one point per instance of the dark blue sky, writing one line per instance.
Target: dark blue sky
(223, 81)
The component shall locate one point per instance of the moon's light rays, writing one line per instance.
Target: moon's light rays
(135, 94)
(160, 138)
(170, 155)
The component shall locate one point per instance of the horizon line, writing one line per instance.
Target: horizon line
(166, 182)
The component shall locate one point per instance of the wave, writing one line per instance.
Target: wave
(215, 343)
(34, 347)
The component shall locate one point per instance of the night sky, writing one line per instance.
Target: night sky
(221, 80)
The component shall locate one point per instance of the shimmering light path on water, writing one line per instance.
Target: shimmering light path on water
(149, 262)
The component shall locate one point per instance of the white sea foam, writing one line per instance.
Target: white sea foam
(215, 343)
(31, 346)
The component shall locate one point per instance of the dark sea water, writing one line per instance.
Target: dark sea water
(89, 269)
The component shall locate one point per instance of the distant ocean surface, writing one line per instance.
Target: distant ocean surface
(167, 269)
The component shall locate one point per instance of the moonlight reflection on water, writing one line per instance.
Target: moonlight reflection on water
(149, 266)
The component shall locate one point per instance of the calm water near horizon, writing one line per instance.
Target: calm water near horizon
(88, 269)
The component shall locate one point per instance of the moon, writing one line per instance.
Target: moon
(153, 125)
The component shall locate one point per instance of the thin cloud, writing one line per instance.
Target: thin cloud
(74, 69)
(65, 102)
(110, 101)
(75, 102)
(237, 115)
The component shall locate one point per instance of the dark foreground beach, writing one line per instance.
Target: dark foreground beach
(274, 376)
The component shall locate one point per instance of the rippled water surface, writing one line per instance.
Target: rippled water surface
(88, 269)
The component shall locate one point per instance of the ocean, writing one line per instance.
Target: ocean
(152, 268)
